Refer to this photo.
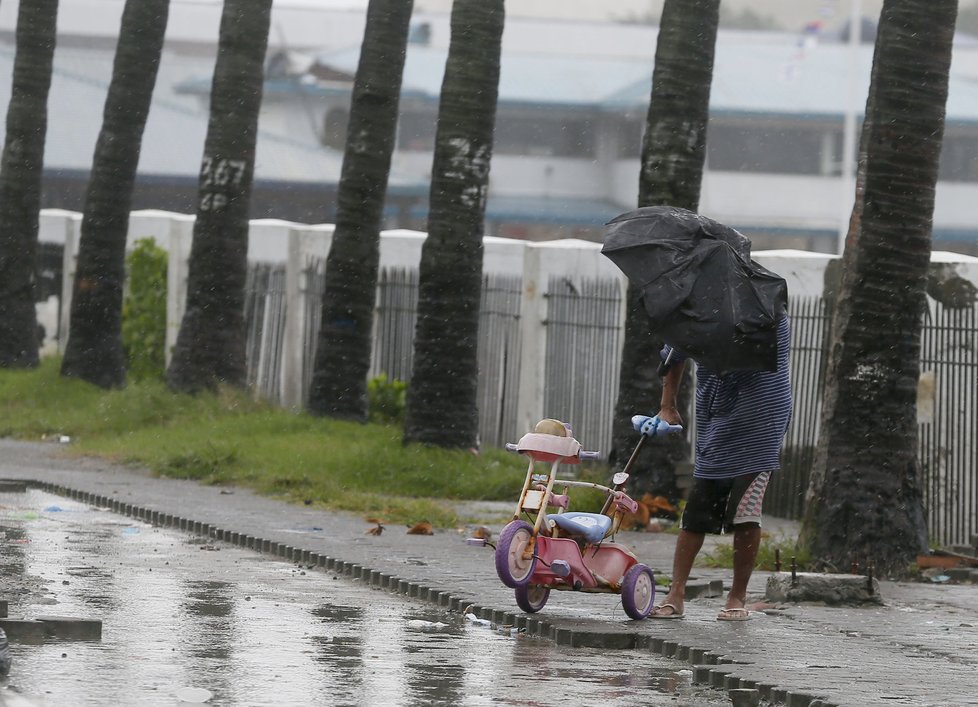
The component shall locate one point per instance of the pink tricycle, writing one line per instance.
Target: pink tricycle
(540, 549)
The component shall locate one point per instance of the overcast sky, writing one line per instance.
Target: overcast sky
(101, 17)
(791, 14)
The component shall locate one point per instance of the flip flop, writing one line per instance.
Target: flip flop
(736, 614)
(676, 614)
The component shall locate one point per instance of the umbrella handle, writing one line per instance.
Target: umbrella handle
(665, 365)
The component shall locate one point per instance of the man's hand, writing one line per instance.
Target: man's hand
(670, 415)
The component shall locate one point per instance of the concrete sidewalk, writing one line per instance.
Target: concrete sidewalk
(919, 648)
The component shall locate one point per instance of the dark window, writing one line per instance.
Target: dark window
(773, 149)
(513, 136)
(630, 134)
(544, 137)
(416, 131)
(334, 128)
(959, 159)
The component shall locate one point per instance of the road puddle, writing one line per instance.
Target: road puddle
(185, 621)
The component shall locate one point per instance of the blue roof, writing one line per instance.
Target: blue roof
(541, 80)
(173, 140)
(754, 73)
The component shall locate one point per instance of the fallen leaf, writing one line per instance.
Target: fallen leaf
(482, 532)
(660, 505)
(422, 528)
(637, 520)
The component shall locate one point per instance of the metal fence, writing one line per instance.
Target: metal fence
(809, 326)
(583, 356)
(265, 328)
(498, 348)
(499, 359)
(947, 410)
(396, 316)
(948, 416)
(583, 335)
(393, 340)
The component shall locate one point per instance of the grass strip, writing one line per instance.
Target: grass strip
(230, 439)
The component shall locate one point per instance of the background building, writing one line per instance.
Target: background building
(572, 105)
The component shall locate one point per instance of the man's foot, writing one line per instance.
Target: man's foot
(737, 613)
(666, 610)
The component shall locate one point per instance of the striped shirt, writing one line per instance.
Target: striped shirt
(742, 417)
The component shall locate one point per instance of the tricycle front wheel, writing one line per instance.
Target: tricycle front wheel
(638, 591)
(512, 565)
(532, 597)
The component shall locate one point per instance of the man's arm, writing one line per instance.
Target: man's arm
(668, 409)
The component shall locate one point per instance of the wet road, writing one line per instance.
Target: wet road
(185, 621)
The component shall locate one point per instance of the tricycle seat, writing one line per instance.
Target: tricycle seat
(591, 526)
(549, 448)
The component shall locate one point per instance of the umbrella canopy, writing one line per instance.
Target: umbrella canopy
(704, 295)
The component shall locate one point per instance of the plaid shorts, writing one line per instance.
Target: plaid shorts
(717, 505)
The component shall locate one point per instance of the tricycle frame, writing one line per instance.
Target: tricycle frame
(541, 550)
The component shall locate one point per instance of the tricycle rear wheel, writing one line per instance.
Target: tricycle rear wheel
(638, 591)
(532, 597)
(512, 566)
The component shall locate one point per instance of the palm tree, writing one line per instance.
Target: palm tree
(865, 501)
(94, 351)
(339, 380)
(20, 180)
(210, 346)
(673, 153)
(442, 406)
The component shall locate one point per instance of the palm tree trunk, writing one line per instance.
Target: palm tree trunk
(94, 351)
(442, 402)
(865, 500)
(20, 181)
(339, 379)
(673, 152)
(210, 347)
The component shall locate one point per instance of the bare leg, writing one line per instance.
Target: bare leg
(688, 544)
(746, 541)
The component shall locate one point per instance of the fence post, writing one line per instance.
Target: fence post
(181, 237)
(303, 245)
(268, 239)
(533, 341)
(294, 318)
(63, 226)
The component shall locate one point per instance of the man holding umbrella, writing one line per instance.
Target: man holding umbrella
(711, 303)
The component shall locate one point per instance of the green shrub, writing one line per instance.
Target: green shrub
(386, 399)
(770, 549)
(144, 311)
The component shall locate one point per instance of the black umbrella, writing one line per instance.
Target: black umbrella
(703, 293)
